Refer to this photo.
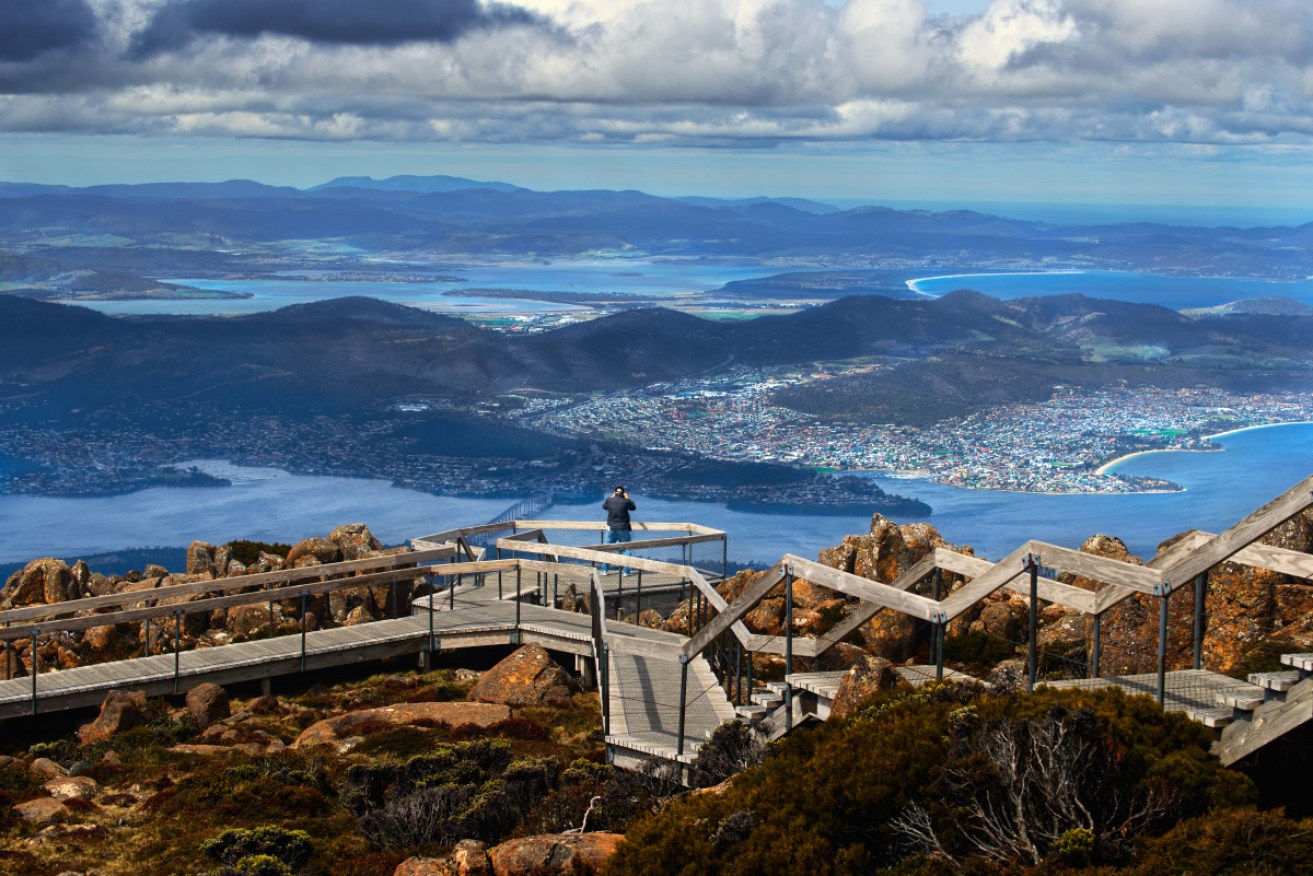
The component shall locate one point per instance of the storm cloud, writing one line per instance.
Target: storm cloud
(344, 22)
(30, 28)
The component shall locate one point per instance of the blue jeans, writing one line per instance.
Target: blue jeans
(617, 536)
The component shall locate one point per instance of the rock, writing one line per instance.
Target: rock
(332, 730)
(6, 760)
(223, 557)
(470, 858)
(73, 788)
(45, 768)
(271, 562)
(651, 618)
(244, 621)
(45, 580)
(208, 703)
(528, 677)
(1000, 620)
(81, 579)
(154, 571)
(361, 614)
(99, 585)
(841, 656)
(1012, 673)
(575, 854)
(42, 810)
(354, 540)
(424, 867)
(864, 678)
(200, 558)
(321, 550)
(121, 710)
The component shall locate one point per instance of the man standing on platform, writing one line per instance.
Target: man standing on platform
(618, 505)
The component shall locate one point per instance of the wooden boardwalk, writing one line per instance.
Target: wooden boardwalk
(519, 597)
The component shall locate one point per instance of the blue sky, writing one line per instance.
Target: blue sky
(1205, 102)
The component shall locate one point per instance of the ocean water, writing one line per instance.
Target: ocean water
(1173, 292)
(266, 504)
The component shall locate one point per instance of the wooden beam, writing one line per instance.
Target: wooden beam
(864, 588)
(219, 585)
(1002, 572)
(278, 594)
(1241, 534)
(1102, 569)
(734, 611)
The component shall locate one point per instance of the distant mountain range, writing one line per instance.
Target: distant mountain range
(958, 353)
(429, 218)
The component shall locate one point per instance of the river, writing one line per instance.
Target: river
(270, 505)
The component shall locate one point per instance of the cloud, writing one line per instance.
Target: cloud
(30, 28)
(710, 72)
(344, 22)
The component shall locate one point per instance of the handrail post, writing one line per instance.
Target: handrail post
(1098, 635)
(177, 647)
(1032, 657)
(304, 600)
(1200, 595)
(941, 628)
(1164, 594)
(517, 605)
(36, 664)
(638, 604)
(683, 702)
(620, 593)
(271, 618)
(788, 648)
(724, 556)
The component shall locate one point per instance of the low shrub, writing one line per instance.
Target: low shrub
(291, 848)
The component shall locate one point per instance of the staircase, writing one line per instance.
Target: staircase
(1284, 702)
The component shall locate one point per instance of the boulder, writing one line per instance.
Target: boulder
(1001, 620)
(200, 558)
(354, 540)
(81, 579)
(121, 710)
(332, 730)
(244, 621)
(42, 810)
(1011, 673)
(321, 550)
(156, 571)
(46, 580)
(864, 678)
(841, 656)
(223, 557)
(72, 788)
(529, 677)
(45, 768)
(469, 857)
(544, 855)
(208, 703)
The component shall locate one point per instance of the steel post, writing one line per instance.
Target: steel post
(1098, 643)
(620, 593)
(1032, 661)
(177, 648)
(1162, 646)
(517, 605)
(683, 702)
(1200, 595)
(304, 599)
(638, 600)
(271, 618)
(36, 665)
(788, 650)
(941, 628)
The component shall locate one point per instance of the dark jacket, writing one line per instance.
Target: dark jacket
(617, 511)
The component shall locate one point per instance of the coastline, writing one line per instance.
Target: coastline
(911, 284)
(1108, 466)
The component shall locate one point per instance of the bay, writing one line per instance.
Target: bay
(608, 276)
(270, 505)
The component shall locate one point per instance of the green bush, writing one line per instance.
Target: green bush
(976, 652)
(247, 849)
(906, 780)
(1231, 842)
